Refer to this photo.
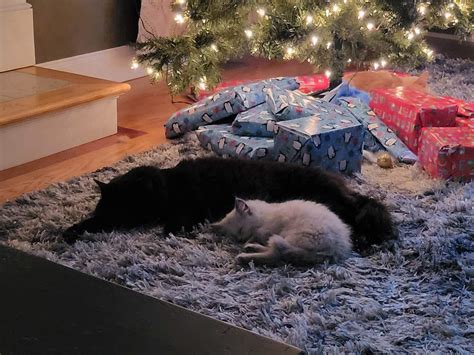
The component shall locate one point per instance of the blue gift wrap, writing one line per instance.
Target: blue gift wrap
(221, 105)
(224, 104)
(221, 141)
(380, 136)
(289, 105)
(332, 141)
(253, 94)
(255, 122)
(347, 90)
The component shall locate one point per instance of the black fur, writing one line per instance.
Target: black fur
(204, 189)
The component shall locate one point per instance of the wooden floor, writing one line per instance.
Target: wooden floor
(141, 115)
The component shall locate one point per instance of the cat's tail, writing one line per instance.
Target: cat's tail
(373, 223)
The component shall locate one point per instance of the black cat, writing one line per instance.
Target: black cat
(204, 189)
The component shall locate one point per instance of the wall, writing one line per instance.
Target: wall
(65, 28)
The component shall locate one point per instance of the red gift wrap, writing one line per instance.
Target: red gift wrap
(465, 109)
(312, 83)
(407, 111)
(447, 152)
(465, 122)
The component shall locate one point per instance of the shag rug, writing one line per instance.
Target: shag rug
(416, 298)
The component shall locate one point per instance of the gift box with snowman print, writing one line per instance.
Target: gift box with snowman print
(378, 136)
(220, 140)
(210, 110)
(331, 140)
(222, 105)
(289, 105)
(258, 121)
(254, 94)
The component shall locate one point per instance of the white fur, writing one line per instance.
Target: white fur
(301, 232)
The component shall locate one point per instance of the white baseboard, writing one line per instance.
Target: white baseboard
(110, 64)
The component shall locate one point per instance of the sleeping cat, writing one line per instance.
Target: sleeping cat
(204, 189)
(382, 79)
(297, 231)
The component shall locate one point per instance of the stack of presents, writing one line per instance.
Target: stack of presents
(276, 119)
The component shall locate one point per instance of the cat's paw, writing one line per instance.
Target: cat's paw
(254, 247)
(243, 259)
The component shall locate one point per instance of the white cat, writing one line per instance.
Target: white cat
(298, 232)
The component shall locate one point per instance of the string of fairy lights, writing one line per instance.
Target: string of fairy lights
(364, 15)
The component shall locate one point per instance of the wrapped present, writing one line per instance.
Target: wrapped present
(346, 90)
(312, 83)
(406, 111)
(255, 122)
(254, 94)
(221, 141)
(447, 152)
(465, 109)
(288, 83)
(289, 105)
(380, 136)
(465, 122)
(212, 109)
(332, 141)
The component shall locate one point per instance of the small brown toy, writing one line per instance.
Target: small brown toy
(385, 161)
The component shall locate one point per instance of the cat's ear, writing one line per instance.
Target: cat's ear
(423, 79)
(241, 207)
(102, 185)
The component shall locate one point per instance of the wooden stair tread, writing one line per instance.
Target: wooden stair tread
(66, 90)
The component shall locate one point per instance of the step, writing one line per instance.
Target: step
(44, 111)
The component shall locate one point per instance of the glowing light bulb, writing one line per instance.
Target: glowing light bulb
(349, 60)
(422, 9)
(370, 26)
(383, 63)
(328, 45)
(214, 48)
(179, 18)
(202, 83)
(261, 12)
(150, 70)
(376, 65)
(336, 8)
(328, 73)
(290, 51)
(134, 64)
(417, 30)
(328, 13)
(249, 33)
(448, 15)
(410, 36)
(309, 20)
(314, 40)
(181, 2)
(428, 52)
(361, 14)
(451, 5)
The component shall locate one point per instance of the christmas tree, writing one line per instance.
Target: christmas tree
(330, 35)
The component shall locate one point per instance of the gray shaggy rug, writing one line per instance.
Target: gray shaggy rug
(416, 298)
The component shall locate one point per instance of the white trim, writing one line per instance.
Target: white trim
(109, 64)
